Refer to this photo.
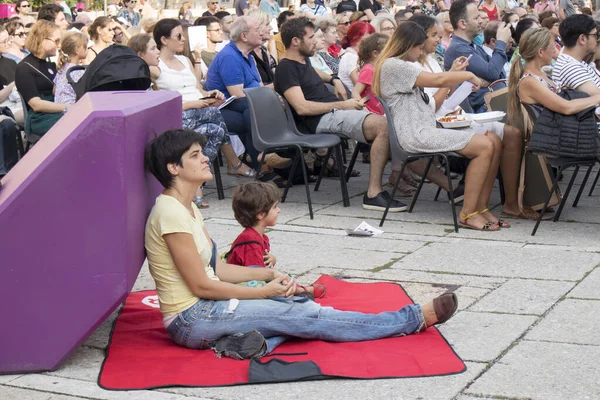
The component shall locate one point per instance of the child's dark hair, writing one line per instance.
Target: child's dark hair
(251, 199)
(374, 42)
(168, 148)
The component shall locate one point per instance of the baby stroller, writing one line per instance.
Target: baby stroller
(116, 68)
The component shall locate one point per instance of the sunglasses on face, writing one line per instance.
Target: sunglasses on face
(179, 36)
(21, 34)
(25, 6)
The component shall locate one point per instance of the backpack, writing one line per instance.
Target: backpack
(116, 68)
(559, 135)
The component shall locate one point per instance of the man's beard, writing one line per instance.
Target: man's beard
(306, 53)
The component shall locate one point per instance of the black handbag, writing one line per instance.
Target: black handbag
(559, 135)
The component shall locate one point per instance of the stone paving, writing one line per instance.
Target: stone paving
(526, 326)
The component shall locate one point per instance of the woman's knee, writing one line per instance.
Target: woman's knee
(479, 146)
(496, 141)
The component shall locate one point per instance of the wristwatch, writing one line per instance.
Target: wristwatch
(333, 77)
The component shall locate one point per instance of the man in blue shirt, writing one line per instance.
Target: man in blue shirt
(466, 22)
(233, 70)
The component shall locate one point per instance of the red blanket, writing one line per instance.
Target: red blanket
(141, 355)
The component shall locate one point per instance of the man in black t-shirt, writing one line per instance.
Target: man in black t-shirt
(369, 7)
(317, 110)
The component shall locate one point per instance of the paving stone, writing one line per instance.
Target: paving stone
(345, 242)
(483, 336)
(435, 388)
(12, 393)
(83, 365)
(390, 226)
(544, 371)
(74, 387)
(571, 321)
(8, 378)
(468, 295)
(144, 280)
(467, 397)
(579, 235)
(299, 258)
(99, 339)
(500, 259)
(588, 288)
(521, 296)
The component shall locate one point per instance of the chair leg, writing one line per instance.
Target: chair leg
(416, 195)
(303, 166)
(566, 195)
(323, 168)
(220, 157)
(352, 162)
(218, 181)
(585, 179)
(20, 144)
(554, 187)
(452, 204)
(340, 165)
(344, 148)
(594, 184)
(396, 183)
(501, 187)
(290, 177)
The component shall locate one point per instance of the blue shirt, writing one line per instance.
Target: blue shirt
(481, 64)
(230, 68)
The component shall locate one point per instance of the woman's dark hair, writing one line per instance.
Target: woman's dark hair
(100, 22)
(18, 5)
(522, 26)
(76, 25)
(506, 16)
(49, 12)
(163, 28)
(546, 14)
(12, 27)
(169, 148)
(548, 23)
(424, 21)
(574, 26)
(253, 198)
(295, 28)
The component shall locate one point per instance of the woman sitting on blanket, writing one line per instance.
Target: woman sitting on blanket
(198, 294)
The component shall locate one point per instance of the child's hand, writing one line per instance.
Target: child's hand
(270, 260)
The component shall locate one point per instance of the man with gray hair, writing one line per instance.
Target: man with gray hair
(233, 70)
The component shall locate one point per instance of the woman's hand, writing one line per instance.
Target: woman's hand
(270, 260)
(200, 103)
(280, 286)
(476, 82)
(198, 51)
(460, 64)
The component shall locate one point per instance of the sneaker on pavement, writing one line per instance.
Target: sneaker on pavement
(241, 346)
(379, 203)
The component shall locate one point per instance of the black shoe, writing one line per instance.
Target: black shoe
(379, 203)
(241, 346)
(459, 193)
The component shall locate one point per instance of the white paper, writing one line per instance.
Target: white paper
(364, 227)
(227, 102)
(197, 35)
(459, 95)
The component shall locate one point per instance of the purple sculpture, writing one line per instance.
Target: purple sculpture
(72, 217)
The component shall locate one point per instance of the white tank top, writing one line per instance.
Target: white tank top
(183, 81)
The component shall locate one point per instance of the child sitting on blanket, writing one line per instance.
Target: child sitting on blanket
(256, 207)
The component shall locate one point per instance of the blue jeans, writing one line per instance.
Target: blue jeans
(278, 319)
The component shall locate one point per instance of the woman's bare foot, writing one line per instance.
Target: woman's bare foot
(477, 221)
(491, 217)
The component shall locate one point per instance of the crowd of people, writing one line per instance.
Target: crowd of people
(330, 63)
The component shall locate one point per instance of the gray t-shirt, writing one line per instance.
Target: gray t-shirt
(567, 5)
(240, 6)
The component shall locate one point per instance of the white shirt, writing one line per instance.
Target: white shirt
(348, 63)
(572, 73)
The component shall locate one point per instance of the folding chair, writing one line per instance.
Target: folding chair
(399, 155)
(273, 129)
(562, 163)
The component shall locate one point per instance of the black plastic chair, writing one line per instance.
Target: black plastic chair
(273, 129)
(29, 137)
(561, 163)
(400, 156)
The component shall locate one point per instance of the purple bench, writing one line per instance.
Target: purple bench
(72, 217)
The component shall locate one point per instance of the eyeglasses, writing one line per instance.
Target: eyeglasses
(345, 23)
(21, 34)
(215, 30)
(595, 34)
(56, 41)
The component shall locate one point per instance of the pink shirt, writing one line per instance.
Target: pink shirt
(539, 7)
(365, 76)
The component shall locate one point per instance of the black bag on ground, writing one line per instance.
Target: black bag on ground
(9, 154)
(561, 135)
(116, 68)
